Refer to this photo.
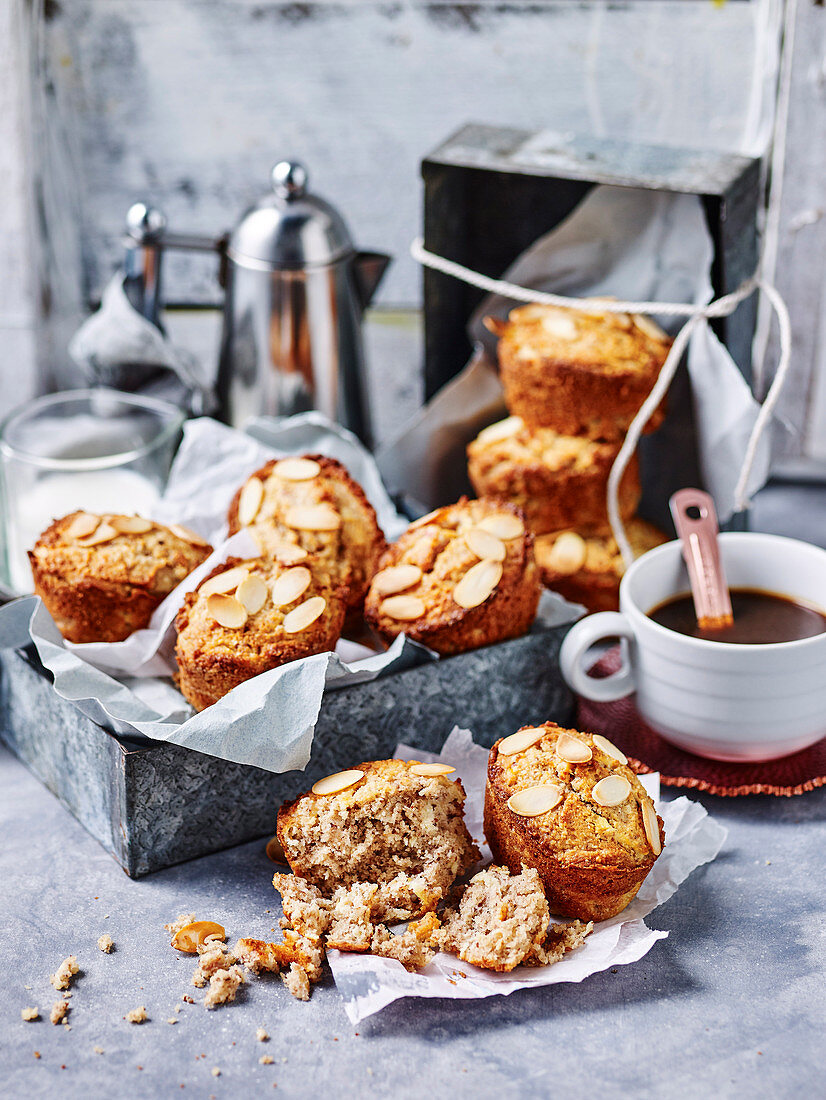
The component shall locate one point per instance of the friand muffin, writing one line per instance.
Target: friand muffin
(247, 617)
(394, 823)
(567, 804)
(312, 504)
(557, 480)
(461, 577)
(102, 576)
(586, 568)
(579, 373)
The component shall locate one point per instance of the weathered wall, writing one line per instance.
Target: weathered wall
(188, 102)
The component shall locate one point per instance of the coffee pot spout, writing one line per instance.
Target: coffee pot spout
(369, 269)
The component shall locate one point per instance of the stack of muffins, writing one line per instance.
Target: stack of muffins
(573, 383)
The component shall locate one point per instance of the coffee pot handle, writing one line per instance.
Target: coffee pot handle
(147, 238)
(588, 632)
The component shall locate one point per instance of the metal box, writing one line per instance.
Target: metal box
(151, 804)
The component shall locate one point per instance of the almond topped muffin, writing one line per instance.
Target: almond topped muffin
(397, 824)
(567, 804)
(588, 568)
(249, 616)
(557, 480)
(461, 577)
(579, 373)
(101, 577)
(312, 504)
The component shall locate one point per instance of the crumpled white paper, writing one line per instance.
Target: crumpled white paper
(126, 687)
(368, 983)
(630, 243)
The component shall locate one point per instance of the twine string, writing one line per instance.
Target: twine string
(694, 314)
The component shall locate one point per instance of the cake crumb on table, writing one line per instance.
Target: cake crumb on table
(59, 1010)
(172, 1020)
(30, 1013)
(216, 1072)
(62, 978)
(266, 1060)
(261, 1035)
(137, 1015)
(176, 925)
(97, 1050)
(223, 985)
(106, 943)
(37, 1054)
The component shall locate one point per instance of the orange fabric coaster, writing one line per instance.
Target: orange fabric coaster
(648, 752)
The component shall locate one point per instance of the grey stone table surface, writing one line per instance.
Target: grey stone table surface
(731, 1004)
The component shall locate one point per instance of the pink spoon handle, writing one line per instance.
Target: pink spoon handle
(696, 521)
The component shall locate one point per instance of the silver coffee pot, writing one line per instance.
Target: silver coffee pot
(295, 291)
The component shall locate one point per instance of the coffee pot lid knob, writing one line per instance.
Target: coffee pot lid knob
(290, 227)
(289, 179)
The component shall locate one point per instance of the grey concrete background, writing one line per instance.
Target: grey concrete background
(732, 1004)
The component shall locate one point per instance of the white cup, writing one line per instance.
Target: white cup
(724, 701)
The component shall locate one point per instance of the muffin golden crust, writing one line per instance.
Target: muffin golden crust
(247, 617)
(557, 480)
(311, 504)
(393, 823)
(567, 804)
(579, 373)
(587, 568)
(101, 577)
(462, 577)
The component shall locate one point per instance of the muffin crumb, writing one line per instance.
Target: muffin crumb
(30, 1014)
(106, 943)
(137, 1015)
(62, 978)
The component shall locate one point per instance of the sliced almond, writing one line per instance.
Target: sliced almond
(191, 936)
(287, 553)
(560, 326)
(131, 525)
(402, 608)
(227, 581)
(651, 826)
(431, 769)
(296, 469)
(611, 791)
(567, 555)
(250, 500)
(252, 593)
(313, 517)
(105, 532)
(396, 578)
(650, 328)
(477, 584)
(535, 801)
(572, 750)
(275, 851)
(226, 611)
(290, 585)
(485, 545)
(82, 526)
(423, 521)
(609, 748)
(192, 537)
(333, 784)
(302, 616)
(505, 525)
(505, 429)
(521, 740)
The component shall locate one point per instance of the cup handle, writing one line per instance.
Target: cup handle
(577, 642)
